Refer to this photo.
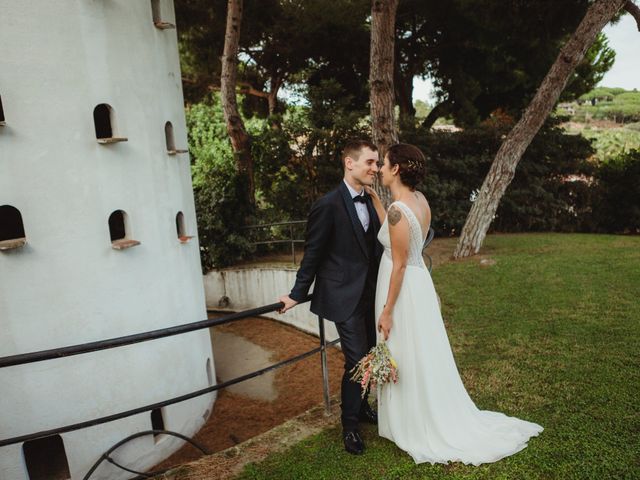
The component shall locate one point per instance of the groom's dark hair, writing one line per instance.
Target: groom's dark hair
(353, 146)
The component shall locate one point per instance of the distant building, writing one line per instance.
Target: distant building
(97, 235)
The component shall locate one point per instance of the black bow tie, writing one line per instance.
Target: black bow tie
(359, 198)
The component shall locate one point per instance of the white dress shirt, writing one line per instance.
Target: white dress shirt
(361, 208)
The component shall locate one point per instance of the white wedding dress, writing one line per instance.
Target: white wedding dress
(428, 413)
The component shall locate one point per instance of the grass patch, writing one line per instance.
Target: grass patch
(551, 334)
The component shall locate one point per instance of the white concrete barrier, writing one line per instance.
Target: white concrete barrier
(239, 289)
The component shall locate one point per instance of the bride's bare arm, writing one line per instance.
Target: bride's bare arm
(377, 204)
(399, 234)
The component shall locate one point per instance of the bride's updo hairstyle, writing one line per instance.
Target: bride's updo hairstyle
(411, 161)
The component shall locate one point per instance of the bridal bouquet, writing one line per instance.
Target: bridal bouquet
(376, 368)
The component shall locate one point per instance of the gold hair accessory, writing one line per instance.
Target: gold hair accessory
(413, 164)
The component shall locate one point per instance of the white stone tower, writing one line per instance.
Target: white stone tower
(97, 234)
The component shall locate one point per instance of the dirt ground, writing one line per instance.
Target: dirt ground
(236, 418)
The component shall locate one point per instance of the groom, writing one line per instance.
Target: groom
(342, 254)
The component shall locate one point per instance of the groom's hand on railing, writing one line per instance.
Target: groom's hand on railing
(288, 303)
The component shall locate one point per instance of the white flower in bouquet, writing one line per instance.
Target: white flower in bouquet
(376, 368)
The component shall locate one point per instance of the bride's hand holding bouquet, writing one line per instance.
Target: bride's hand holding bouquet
(385, 322)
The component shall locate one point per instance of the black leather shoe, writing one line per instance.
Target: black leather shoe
(368, 414)
(353, 442)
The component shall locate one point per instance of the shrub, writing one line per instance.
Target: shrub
(220, 213)
(618, 204)
(296, 160)
(223, 241)
(301, 161)
(456, 165)
(547, 192)
(551, 190)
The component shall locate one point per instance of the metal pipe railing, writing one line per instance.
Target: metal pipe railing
(152, 335)
(275, 224)
(53, 353)
(292, 241)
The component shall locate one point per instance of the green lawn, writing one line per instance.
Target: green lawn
(551, 334)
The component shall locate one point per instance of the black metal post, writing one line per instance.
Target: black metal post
(325, 370)
(293, 244)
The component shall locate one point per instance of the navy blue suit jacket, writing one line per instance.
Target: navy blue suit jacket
(336, 256)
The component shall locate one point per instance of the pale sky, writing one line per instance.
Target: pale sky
(624, 38)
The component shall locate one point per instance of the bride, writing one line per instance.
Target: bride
(428, 413)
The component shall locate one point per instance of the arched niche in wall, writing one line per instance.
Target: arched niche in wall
(156, 13)
(181, 229)
(2, 119)
(12, 234)
(105, 124)
(170, 140)
(46, 458)
(119, 231)
(157, 423)
(209, 372)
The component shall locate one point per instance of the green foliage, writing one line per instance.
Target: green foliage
(222, 239)
(489, 54)
(550, 334)
(455, 166)
(597, 61)
(594, 121)
(481, 54)
(620, 113)
(300, 43)
(538, 199)
(602, 93)
(422, 109)
(300, 162)
(614, 104)
(220, 212)
(294, 165)
(209, 144)
(550, 190)
(618, 205)
(297, 159)
(609, 143)
(628, 98)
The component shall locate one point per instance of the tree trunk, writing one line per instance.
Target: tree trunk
(385, 134)
(240, 140)
(504, 165)
(404, 98)
(272, 99)
(440, 110)
(634, 11)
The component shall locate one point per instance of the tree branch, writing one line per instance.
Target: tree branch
(634, 10)
(438, 111)
(248, 89)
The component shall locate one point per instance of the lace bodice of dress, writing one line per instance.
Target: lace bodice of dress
(415, 230)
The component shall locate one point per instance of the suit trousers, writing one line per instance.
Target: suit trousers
(357, 337)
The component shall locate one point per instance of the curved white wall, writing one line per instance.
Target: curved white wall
(251, 287)
(58, 61)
